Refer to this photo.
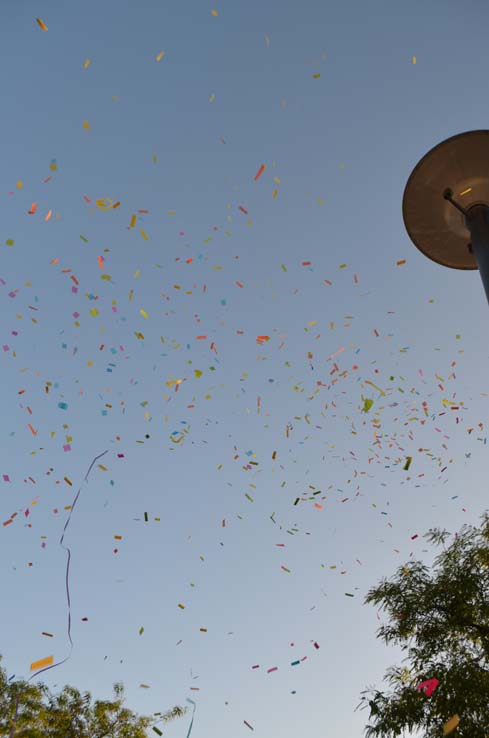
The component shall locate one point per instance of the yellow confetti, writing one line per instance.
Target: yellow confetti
(212, 98)
(367, 381)
(86, 125)
(316, 76)
(274, 194)
(342, 266)
(19, 185)
(451, 724)
(94, 312)
(133, 221)
(104, 203)
(144, 313)
(160, 56)
(87, 63)
(214, 13)
(43, 662)
(144, 234)
(41, 24)
(414, 60)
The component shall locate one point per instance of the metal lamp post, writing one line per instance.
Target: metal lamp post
(445, 205)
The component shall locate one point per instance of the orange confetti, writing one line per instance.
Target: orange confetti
(43, 662)
(402, 261)
(48, 216)
(201, 338)
(32, 430)
(259, 172)
(262, 339)
(33, 208)
(100, 260)
(43, 27)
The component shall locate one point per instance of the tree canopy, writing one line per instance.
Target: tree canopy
(71, 714)
(441, 619)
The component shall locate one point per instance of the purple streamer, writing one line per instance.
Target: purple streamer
(46, 668)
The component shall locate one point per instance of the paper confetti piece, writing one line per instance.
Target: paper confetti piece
(451, 724)
(367, 404)
(400, 262)
(50, 635)
(43, 662)
(428, 686)
(375, 387)
(157, 730)
(104, 203)
(408, 463)
(9, 242)
(414, 60)
(259, 172)
(41, 24)
(248, 725)
(214, 13)
(87, 63)
(144, 313)
(86, 125)
(160, 56)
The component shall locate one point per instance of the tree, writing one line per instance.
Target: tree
(69, 714)
(442, 621)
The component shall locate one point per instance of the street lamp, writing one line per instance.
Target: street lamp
(445, 206)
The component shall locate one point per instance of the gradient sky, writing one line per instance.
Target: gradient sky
(183, 139)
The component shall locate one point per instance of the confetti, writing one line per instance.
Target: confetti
(259, 172)
(42, 663)
(451, 724)
(160, 56)
(41, 24)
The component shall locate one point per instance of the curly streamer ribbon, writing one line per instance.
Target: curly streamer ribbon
(12, 729)
(193, 714)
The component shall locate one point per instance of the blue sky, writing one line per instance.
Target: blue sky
(183, 138)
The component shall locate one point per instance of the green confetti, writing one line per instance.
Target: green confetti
(157, 730)
(408, 463)
(347, 594)
(146, 516)
(248, 497)
(141, 630)
(85, 240)
(367, 404)
(284, 268)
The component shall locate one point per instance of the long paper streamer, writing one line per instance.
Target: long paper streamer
(12, 729)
